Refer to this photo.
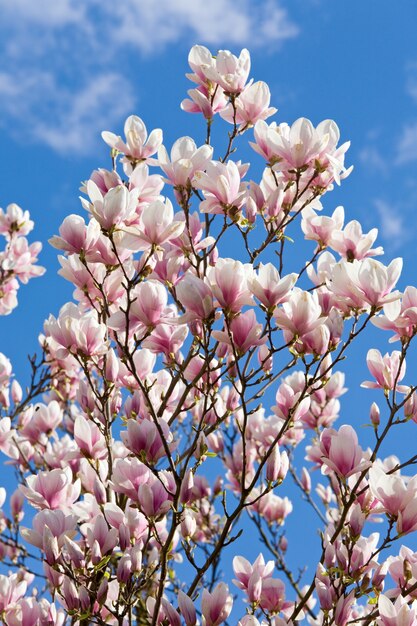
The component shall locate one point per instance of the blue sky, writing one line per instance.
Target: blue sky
(69, 69)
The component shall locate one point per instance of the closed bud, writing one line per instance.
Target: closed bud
(273, 464)
(102, 591)
(187, 608)
(96, 555)
(188, 525)
(187, 485)
(265, 358)
(285, 464)
(112, 366)
(17, 392)
(136, 557)
(375, 414)
(70, 594)
(99, 491)
(84, 599)
(124, 536)
(124, 569)
(17, 501)
(305, 481)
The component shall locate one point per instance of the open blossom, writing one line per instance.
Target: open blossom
(11, 590)
(228, 71)
(341, 452)
(138, 146)
(223, 189)
(156, 226)
(400, 316)
(268, 287)
(186, 159)
(114, 207)
(204, 100)
(77, 332)
(351, 243)
(216, 606)
(228, 281)
(76, 237)
(251, 105)
(366, 282)
(388, 370)
(300, 314)
(52, 490)
(244, 333)
(15, 221)
(322, 228)
(397, 613)
(250, 577)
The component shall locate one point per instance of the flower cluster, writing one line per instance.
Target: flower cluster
(148, 440)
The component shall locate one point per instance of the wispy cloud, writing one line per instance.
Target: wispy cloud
(406, 148)
(392, 225)
(63, 57)
(371, 157)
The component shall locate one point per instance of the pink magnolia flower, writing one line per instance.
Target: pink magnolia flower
(269, 288)
(388, 370)
(138, 146)
(52, 490)
(400, 316)
(145, 439)
(61, 525)
(351, 243)
(128, 475)
(364, 283)
(341, 452)
(112, 209)
(391, 490)
(251, 105)
(396, 613)
(186, 160)
(77, 332)
(244, 333)
(228, 282)
(147, 309)
(76, 236)
(15, 221)
(322, 228)
(223, 189)
(230, 72)
(298, 145)
(196, 296)
(300, 314)
(89, 439)
(11, 590)
(156, 227)
(204, 100)
(216, 606)
(250, 577)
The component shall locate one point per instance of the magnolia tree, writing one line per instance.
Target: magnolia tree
(143, 448)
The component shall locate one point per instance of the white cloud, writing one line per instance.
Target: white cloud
(59, 53)
(65, 121)
(392, 225)
(372, 158)
(407, 145)
(216, 22)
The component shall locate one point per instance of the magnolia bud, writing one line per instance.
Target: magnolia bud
(273, 464)
(305, 481)
(375, 414)
(112, 366)
(188, 525)
(17, 392)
